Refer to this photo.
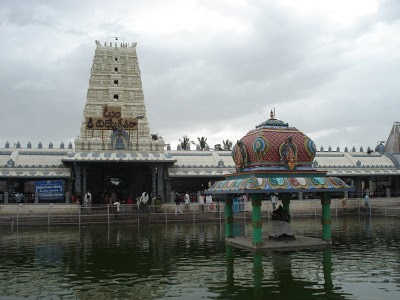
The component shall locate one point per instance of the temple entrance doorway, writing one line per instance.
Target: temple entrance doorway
(123, 179)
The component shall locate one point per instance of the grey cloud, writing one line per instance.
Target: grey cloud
(196, 81)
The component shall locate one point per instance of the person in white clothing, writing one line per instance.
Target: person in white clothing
(177, 202)
(187, 202)
(273, 201)
(209, 201)
(244, 198)
(366, 198)
(200, 199)
(117, 204)
(144, 200)
(87, 201)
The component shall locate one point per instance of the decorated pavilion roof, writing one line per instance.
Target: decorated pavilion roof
(273, 144)
(276, 158)
(255, 184)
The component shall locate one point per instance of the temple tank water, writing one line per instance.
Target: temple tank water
(191, 261)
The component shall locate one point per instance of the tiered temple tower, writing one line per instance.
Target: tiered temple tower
(393, 142)
(115, 113)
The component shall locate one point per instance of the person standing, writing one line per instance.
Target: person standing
(153, 203)
(201, 202)
(366, 198)
(113, 197)
(157, 204)
(144, 200)
(187, 202)
(236, 205)
(177, 202)
(88, 202)
(209, 202)
(129, 201)
(273, 201)
(78, 198)
(73, 198)
(138, 199)
(107, 198)
(117, 205)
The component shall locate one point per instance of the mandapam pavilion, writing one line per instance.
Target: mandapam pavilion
(276, 158)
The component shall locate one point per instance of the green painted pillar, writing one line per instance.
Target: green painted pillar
(257, 224)
(228, 217)
(326, 216)
(286, 203)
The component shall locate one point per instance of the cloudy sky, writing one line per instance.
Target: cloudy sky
(212, 68)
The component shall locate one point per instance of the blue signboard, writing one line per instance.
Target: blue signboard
(50, 190)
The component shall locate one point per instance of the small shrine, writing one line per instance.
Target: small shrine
(272, 159)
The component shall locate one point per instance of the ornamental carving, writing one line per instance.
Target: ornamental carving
(257, 224)
(239, 154)
(260, 147)
(327, 221)
(288, 152)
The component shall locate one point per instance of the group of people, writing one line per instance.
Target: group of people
(202, 200)
(142, 201)
(239, 203)
(112, 198)
(87, 200)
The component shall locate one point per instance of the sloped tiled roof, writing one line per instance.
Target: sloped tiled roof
(37, 163)
(201, 164)
(353, 159)
(220, 163)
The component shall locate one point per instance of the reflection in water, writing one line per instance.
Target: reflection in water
(182, 261)
(258, 274)
(327, 268)
(280, 283)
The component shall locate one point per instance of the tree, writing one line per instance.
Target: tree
(227, 144)
(202, 142)
(185, 142)
(155, 137)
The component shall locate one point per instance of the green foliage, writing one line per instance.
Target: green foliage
(227, 144)
(202, 142)
(155, 136)
(185, 142)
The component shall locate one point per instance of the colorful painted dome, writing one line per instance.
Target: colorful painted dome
(274, 145)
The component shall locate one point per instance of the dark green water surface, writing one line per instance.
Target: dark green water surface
(191, 261)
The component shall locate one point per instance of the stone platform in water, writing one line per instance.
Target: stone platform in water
(300, 242)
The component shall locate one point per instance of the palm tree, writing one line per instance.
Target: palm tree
(185, 142)
(227, 144)
(202, 142)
